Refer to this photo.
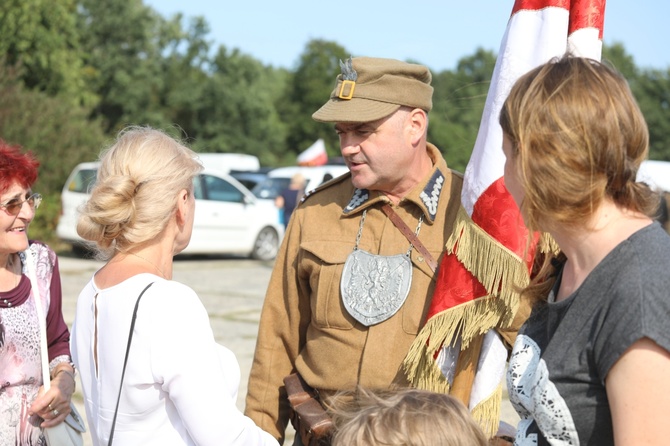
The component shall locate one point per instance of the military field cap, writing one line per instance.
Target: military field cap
(371, 88)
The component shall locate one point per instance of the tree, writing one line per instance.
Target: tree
(122, 42)
(236, 111)
(651, 88)
(458, 104)
(308, 89)
(58, 133)
(41, 38)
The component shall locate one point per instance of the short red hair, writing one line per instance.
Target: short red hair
(16, 167)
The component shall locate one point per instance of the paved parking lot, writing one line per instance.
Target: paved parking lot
(231, 289)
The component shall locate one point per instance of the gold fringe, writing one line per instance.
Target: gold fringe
(487, 412)
(467, 320)
(548, 244)
(498, 269)
(502, 273)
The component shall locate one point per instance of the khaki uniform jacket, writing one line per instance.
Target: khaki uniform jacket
(304, 326)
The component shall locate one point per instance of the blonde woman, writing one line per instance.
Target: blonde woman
(179, 386)
(591, 364)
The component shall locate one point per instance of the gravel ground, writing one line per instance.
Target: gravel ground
(231, 289)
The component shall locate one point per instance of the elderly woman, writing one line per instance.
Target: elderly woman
(591, 364)
(178, 386)
(24, 409)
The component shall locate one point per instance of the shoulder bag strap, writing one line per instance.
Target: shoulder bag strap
(44, 349)
(407, 232)
(125, 362)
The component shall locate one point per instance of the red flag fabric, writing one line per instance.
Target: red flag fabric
(484, 259)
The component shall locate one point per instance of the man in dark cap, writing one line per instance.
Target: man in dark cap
(351, 286)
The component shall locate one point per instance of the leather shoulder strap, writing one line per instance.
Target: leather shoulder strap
(409, 234)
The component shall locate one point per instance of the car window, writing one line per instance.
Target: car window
(218, 189)
(270, 187)
(249, 184)
(82, 180)
(249, 179)
(197, 188)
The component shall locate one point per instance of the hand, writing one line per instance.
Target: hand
(54, 405)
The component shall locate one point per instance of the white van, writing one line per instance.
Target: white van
(229, 219)
(225, 162)
(278, 179)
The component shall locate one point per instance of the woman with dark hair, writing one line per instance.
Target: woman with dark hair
(591, 364)
(24, 408)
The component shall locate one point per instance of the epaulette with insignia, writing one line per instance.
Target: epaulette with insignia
(325, 185)
(430, 196)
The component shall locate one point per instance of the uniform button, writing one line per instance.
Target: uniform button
(420, 258)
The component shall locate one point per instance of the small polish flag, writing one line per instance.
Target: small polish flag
(314, 155)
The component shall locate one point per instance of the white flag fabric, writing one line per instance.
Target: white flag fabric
(314, 155)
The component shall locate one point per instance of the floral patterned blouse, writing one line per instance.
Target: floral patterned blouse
(20, 368)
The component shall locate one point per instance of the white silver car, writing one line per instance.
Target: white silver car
(278, 179)
(229, 219)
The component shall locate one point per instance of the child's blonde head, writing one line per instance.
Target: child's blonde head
(408, 417)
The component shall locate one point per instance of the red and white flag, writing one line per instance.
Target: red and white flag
(474, 295)
(314, 155)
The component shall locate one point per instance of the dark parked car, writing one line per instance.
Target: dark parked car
(250, 178)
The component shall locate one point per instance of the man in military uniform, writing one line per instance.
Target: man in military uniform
(349, 291)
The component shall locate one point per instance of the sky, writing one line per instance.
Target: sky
(436, 33)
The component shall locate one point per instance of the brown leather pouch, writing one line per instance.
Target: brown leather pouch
(308, 416)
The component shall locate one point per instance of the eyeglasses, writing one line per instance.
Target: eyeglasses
(14, 206)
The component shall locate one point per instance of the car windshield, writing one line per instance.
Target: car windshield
(270, 187)
(83, 180)
(248, 179)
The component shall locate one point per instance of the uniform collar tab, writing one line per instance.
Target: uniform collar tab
(430, 195)
(360, 197)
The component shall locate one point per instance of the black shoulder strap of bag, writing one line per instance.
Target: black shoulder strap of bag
(125, 362)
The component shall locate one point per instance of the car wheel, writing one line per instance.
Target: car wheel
(266, 244)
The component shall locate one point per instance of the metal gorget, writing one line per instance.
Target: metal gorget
(374, 287)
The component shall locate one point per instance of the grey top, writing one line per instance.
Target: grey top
(556, 376)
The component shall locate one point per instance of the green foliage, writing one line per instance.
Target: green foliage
(43, 226)
(458, 104)
(42, 38)
(235, 109)
(616, 56)
(309, 88)
(75, 72)
(60, 135)
(652, 91)
(121, 41)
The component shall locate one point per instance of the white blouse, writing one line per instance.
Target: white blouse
(180, 386)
